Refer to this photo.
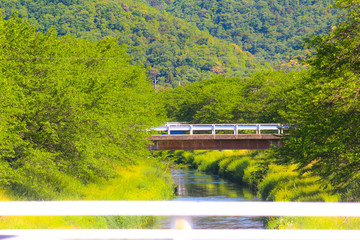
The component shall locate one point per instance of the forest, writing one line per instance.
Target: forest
(73, 114)
(185, 41)
(66, 112)
(270, 30)
(77, 94)
(173, 51)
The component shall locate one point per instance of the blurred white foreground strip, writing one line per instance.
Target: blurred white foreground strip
(176, 208)
(181, 212)
(57, 234)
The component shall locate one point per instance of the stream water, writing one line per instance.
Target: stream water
(197, 186)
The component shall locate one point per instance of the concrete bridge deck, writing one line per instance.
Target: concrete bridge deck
(217, 140)
(214, 142)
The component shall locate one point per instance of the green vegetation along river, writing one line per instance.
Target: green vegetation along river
(198, 186)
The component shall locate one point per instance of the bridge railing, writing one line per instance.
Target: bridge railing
(181, 211)
(235, 128)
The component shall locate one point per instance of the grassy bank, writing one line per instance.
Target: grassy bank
(270, 181)
(148, 180)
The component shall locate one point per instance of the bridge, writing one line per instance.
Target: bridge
(178, 136)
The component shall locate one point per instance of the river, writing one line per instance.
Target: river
(197, 186)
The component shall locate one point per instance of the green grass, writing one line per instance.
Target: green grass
(340, 223)
(146, 181)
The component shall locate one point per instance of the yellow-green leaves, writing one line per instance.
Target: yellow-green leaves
(325, 139)
(68, 107)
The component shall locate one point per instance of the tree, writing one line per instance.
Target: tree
(71, 110)
(153, 38)
(325, 111)
(259, 98)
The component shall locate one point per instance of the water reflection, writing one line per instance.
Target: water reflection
(196, 186)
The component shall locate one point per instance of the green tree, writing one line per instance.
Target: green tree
(258, 26)
(325, 111)
(70, 109)
(154, 39)
(259, 98)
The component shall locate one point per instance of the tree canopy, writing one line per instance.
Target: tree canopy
(259, 98)
(325, 111)
(70, 109)
(172, 50)
(272, 30)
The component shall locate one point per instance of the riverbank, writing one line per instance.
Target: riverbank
(269, 181)
(147, 180)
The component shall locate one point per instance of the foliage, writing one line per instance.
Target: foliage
(325, 110)
(336, 223)
(147, 181)
(70, 110)
(173, 51)
(272, 30)
(259, 98)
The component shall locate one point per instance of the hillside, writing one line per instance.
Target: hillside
(173, 51)
(272, 30)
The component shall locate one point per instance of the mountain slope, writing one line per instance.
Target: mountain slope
(269, 29)
(174, 51)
